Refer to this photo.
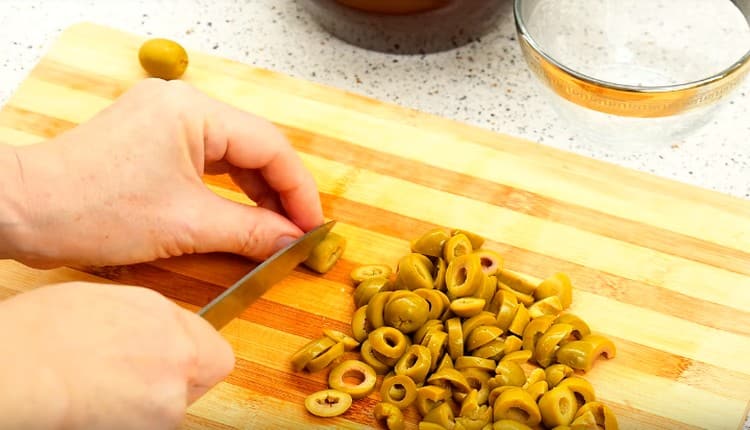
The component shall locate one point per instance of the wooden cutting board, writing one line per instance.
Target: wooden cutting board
(661, 267)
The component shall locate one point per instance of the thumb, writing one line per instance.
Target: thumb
(254, 232)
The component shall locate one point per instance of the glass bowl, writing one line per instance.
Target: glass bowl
(635, 71)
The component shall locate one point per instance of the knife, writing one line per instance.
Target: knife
(232, 302)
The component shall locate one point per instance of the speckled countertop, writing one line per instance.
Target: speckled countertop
(486, 84)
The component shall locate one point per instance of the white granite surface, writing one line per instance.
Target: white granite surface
(485, 84)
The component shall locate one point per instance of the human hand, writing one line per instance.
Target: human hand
(90, 356)
(125, 187)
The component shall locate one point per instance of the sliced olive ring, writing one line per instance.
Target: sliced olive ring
(450, 377)
(476, 240)
(360, 324)
(369, 357)
(468, 362)
(463, 276)
(581, 389)
(578, 324)
(526, 299)
(520, 320)
(438, 275)
(326, 358)
(556, 373)
(517, 282)
(338, 379)
(557, 285)
(558, 407)
(483, 318)
(430, 325)
(349, 342)
(429, 396)
(388, 342)
(537, 389)
(455, 338)
(581, 354)
(456, 246)
(467, 307)
(548, 343)
(399, 390)
(603, 416)
(415, 271)
(507, 304)
(328, 403)
(437, 302)
(436, 342)
(508, 373)
(534, 330)
(481, 336)
(415, 363)
(547, 306)
(491, 261)
(493, 350)
(368, 288)
(376, 308)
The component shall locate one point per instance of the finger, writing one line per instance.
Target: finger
(255, 186)
(214, 355)
(221, 225)
(249, 142)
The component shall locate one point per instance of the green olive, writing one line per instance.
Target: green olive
(388, 342)
(558, 407)
(476, 240)
(487, 291)
(581, 388)
(519, 357)
(520, 320)
(163, 58)
(456, 246)
(436, 342)
(581, 354)
(484, 318)
(309, 351)
(603, 416)
(406, 312)
(547, 306)
(464, 276)
(376, 309)
(537, 390)
(492, 262)
(394, 418)
(326, 358)
(424, 425)
(507, 308)
(467, 307)
(367, 289)
(469, 362)
(516, 404)
(442, 415)
(535, 376)
(436, 300)
(526, 299)
(509, 425)
(478, 379)
(473, 415)
(517, 282)
(427, 327)
(556, 285)
(326, 253)
(438, 275)
(578, 324)
(369, 357)
(508, 373)
(415, 363)
(344, 372)
(512, 344)
(481, 336)
(549, 342)
(328, 403)
(535, 329)
(362, 273)
(555, 373)
(429, 396)
(450, 377)
(360, 324)
(399, 390)
(493, 350)
(415, 271)
(455, 338)
(349, 342)
(431, 243)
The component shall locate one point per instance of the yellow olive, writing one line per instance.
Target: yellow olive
(370, 271)
(556, 285)
(394, 418)
(512, 344)
(450, 376)
(438, 275)
(508, 373)
(368, 356)
(604, 417)
(473, 415)
(399, 390)
(476, 240)
(581, 354)
(436, 300)
(455, 338)
(487, 291)
(520, 320)
(341, 376)
(507, 308)
(484, 318)
(558, 407)
(493, 350)
(535, 376)
(537, 390)
(578, 324)
(328, 403)
(481, 336)
(478, 379)
(516, 404)
(326, 253)
(468, 362)
(415, 271)
(463, 276)
(534, 330)
(376, 309)
(406, 311)
(491, 261)
(547, 306)
(526, 299)
(326, 358)
(516, 282)
(163, 58)
(431, 243)
(457, 246)
(428, 326)
(436, 342)
(518, 357)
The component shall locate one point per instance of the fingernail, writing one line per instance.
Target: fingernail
(284, 241)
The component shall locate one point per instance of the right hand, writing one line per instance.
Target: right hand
(89, 356)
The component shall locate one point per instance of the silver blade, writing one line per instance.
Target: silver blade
(232, 302)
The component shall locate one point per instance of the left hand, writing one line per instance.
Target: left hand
(125, 187)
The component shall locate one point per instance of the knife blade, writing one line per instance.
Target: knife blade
(232, 302)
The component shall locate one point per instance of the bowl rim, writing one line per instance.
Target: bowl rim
(524, 33)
